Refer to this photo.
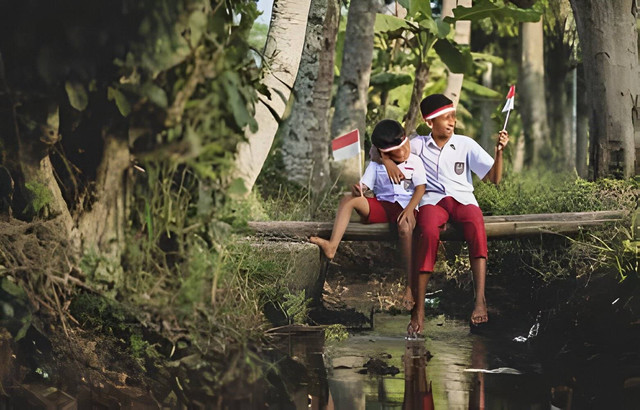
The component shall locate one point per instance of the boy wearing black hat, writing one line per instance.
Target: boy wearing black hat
(393, 203)
(449, 159)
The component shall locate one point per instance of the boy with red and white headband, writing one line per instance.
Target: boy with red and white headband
(393, 203)
(449, 159)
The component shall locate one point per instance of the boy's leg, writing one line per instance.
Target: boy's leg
(470, 216)
(429, 221)
(347, 204)
(479, 269)
(405, 239)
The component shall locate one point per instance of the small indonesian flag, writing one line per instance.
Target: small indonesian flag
(346, 146)
(510, 97)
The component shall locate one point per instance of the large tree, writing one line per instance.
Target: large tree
(462, 37)
(305, 133)
(281, 59)
(355, 71)
(609, 43)
(533, 105)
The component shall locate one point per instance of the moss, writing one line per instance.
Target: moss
(39, 198)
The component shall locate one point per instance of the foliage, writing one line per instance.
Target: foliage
(335, 333)
(609, 250)
(549, 192)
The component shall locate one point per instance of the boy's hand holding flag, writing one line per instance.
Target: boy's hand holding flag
(508, 106)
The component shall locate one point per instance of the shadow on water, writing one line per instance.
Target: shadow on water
(449, 369)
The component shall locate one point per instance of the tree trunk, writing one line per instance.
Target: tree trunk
(282, 57)
(351, 99)
(532, 92)
(609, 42)
(488, 127)
(421, 77)
(462, 36)
(26, 157)
(519, 153)
(102, 228)
(582, 126)
(305, 134)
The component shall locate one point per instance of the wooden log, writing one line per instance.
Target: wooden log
(497, 227)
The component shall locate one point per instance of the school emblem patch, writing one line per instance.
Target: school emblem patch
(459, 168)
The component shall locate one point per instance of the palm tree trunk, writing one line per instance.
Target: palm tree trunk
(351, 99)
(305, 134)
(532, 91)
(282, 56)
(462, 36)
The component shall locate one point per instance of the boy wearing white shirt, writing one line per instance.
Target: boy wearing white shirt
(395, 203)
(449, 159)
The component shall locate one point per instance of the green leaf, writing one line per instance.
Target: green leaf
(430, 25)
(78, 97)
(238, 105)
(385, 23)
(388, 81)
(479, 57)
(12, 289)
(420, 9)
(443, 28)
(121, 101)
(26, 324)
(485, 8)
(479, 89)
(456, 61)
(237, 188)
(155, 94)
(197, 26)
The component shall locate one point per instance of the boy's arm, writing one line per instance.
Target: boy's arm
(355, 189)
(495, 173)
(417, 196)
(407, 212)
(395, 175)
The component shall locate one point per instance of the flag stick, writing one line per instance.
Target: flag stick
(505, 121)
(360, 165)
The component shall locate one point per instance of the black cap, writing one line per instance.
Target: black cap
(387, 135)
(435, 105)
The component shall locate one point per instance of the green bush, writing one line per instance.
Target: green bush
(550, 192)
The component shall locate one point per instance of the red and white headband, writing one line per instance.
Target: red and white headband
(404, 141)
(440, 111)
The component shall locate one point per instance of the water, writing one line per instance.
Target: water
(454, 350)
(449, 369)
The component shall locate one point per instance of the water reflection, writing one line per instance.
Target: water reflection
(417, 390)
(466, 371)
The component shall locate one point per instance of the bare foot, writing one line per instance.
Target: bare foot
(407, 299)
(417, 321)
(328, 249)
(479, 314)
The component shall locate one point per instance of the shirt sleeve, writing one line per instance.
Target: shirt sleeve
(419, 174)
(416, 145)
(369, 177)
(480, 162)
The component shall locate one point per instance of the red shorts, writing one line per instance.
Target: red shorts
(432, 218)
(383, 211)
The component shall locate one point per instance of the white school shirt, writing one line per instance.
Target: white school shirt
(377, 179)
(449, 169)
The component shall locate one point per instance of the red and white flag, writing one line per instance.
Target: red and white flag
(346, 146)
(510, 97)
